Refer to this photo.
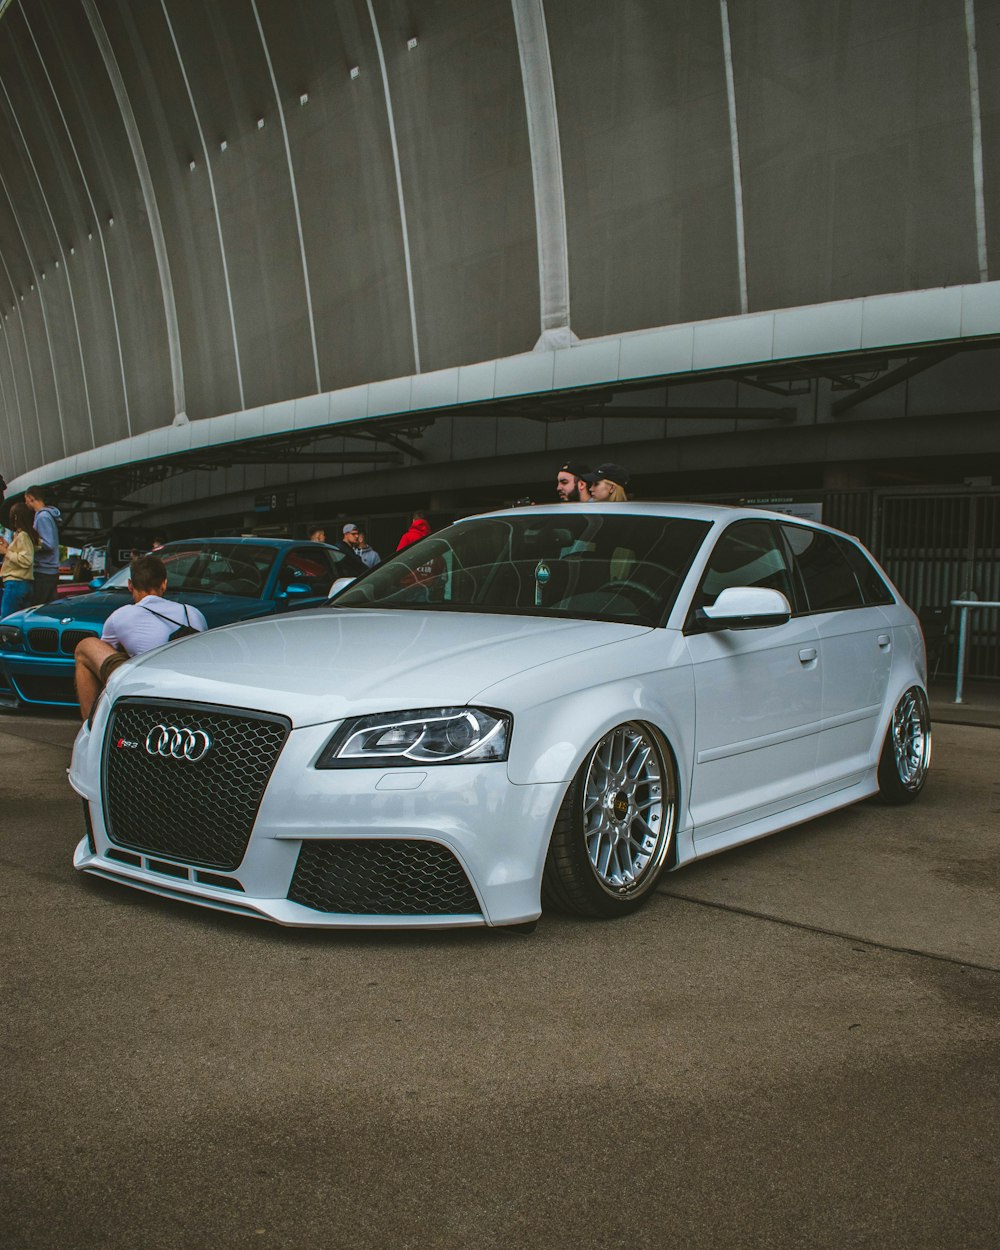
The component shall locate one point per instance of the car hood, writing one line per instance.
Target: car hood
(93, 610)
(323, 665)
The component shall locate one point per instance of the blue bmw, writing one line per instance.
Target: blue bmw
(227, 579)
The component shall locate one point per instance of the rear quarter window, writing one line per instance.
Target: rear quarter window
(827, 577)
(873, 588)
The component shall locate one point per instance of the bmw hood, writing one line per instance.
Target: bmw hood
(94, 609)
(324, 665)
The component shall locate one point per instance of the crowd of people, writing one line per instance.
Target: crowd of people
(576, 483)
(30, 569)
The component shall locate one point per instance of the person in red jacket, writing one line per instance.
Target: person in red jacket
(419, 528)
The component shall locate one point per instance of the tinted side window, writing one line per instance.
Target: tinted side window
(827, 577)
(747, 554)
(311, 567)
(873, 588)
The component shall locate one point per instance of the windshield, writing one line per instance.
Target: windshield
(215, 568)
(606, 566)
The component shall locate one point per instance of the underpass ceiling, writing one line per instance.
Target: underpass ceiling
(396, 441)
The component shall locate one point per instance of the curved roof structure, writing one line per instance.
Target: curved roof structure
(277, 216)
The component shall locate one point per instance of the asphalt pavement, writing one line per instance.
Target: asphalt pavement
(795, 1044)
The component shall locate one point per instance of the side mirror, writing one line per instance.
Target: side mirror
(745, 607)
(294, 589)
(340, 584)
(96, 583)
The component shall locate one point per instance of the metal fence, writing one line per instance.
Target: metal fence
(940, 547)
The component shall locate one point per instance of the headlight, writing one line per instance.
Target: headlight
(434, 735)
(11, 638)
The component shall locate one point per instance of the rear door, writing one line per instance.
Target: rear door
(758, 693)
(855, 650)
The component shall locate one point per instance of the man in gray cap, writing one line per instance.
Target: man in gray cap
(351, 539)
(354, 544)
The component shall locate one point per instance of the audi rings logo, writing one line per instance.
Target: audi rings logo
(176, 743)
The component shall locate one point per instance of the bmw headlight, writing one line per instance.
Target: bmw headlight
(436, 735)
(11, 638)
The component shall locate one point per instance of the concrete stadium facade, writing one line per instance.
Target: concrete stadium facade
(356, 255)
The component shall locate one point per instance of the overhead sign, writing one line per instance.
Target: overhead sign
(274, 501)
(790, 507)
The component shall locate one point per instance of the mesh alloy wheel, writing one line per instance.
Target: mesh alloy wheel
(615, 829)
(911, 739)
(906, 753)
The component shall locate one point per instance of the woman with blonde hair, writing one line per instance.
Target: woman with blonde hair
(18, 569)
(607, 484)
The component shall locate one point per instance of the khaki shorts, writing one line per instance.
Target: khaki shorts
(115, 660)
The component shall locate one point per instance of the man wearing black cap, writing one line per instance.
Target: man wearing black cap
(570, 484)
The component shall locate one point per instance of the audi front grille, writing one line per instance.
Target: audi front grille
(381, 877)
(185, 781)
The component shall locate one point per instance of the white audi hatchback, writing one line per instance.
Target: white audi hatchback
(545, 707)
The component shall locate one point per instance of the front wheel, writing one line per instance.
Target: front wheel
(615, 828)
(906, 752)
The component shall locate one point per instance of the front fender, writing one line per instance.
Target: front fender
(553, 734)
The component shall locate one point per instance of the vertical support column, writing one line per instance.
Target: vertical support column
(149, 200)
(62, 255)
(399, 186)
(45, 319)
(734, 143)
(977, 140)
(215, 200)
(546, 173)
(93, 211)
(963, 634)
(295, 193)
(8, 410)
(13, 378)
(30, 371)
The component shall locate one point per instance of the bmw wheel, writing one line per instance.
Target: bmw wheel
(906, 752)
(614, 832)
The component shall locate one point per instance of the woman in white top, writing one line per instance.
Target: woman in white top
(18, 569)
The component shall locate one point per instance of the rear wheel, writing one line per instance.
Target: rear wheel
(906, 752)
(613, 835)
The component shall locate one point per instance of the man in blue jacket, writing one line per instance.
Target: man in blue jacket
(47, 555)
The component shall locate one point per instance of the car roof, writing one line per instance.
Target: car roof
(711, 512)
(243, 540)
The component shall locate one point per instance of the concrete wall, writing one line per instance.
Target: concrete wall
(204, 208)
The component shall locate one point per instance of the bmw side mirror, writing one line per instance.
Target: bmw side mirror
(294, 589)
(744, 607)
(96, 583)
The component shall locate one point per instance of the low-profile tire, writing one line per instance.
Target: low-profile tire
(906, 752)
(613, 836)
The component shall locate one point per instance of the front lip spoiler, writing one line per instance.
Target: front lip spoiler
(277, 910)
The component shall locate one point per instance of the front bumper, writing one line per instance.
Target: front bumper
(43, 680)
(497, 831)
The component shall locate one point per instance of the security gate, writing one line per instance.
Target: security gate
(939, 547)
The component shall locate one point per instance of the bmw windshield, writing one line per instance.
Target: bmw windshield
(606, 566)
(218, 568)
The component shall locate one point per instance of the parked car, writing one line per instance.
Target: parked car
(545, 707)
(75, 578)
(228, 579)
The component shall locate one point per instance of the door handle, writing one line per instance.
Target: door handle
(884, 641)
(807, 655)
